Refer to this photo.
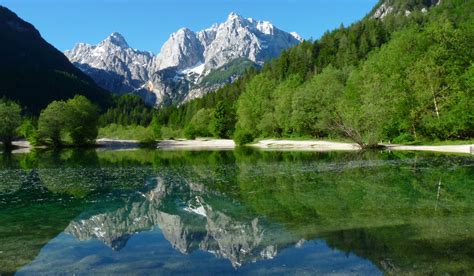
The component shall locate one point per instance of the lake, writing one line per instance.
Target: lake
(236, 212)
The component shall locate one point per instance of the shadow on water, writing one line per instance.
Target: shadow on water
(253, 211)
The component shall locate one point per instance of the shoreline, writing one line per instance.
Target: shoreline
(466, 149)
(266, 145)
(321, 145)
(116, 144)
(304, 145)
(197, 144)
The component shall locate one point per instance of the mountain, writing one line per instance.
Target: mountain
(112, 63)
(238, 37)
(35, 73)
(401, 7)
(176, 74)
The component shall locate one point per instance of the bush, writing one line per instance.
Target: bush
(28, 130)
(190, 132)
(403, 138)
(148, 140)
(242, 137)
(170, 133)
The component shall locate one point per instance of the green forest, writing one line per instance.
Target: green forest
(399, 79)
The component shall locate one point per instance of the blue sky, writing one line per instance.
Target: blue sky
(147, 24)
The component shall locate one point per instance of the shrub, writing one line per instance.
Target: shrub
(242, 137)
(28, 130)
(403, 138)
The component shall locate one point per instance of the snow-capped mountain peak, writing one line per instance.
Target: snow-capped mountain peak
(234, 16)
(116, 39)
(175, 74)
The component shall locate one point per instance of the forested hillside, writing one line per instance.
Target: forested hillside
(128, 109)
(34, 73)
(404, 77)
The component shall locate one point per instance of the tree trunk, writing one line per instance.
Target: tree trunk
(353, 134)
(414, 131)
(436, 106)
(435, 102)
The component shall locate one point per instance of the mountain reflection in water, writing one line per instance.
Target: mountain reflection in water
(236, 212)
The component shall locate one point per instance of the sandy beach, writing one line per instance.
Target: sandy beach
(22, 146)
(315, 145)
(309, 145)
(450, 148)
(198, 144)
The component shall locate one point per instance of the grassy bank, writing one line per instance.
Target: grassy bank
(132, 132)
(441, 143)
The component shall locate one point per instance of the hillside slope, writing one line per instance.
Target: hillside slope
(33, 72)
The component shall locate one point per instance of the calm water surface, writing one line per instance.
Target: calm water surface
(236, 212)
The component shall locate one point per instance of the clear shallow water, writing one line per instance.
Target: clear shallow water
(237, 212)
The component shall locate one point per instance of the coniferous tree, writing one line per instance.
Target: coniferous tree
(223, 122)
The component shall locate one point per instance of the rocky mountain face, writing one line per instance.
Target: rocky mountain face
(178, 72)
(402, 7)
(112, 63)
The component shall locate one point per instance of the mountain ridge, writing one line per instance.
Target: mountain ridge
(185, 58)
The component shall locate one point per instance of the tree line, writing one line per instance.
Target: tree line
(75, 121)
(128, 109)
